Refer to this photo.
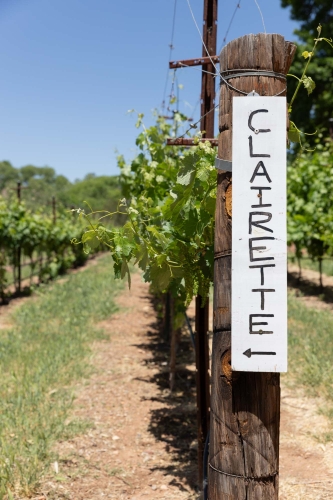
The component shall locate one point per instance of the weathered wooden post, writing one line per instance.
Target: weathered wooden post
(245, 406)
(18, 258)
(209, 34)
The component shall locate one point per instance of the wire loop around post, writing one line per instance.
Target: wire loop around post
(237, 73)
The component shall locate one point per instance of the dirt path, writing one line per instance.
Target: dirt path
(142, 442)
(306, 465)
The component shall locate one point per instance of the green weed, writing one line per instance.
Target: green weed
(311, 349)
(40, 357)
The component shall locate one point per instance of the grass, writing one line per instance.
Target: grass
(311, 349)
(41, 356)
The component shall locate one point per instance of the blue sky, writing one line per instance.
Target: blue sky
(71, 69)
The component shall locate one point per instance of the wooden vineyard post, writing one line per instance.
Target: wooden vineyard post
(202, 313)
(245, 406)
(18, 287)
(202, 377)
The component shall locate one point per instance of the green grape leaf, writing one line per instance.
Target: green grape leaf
(293, 133)
(94, 243)
(117, 264)
(189, 225)
(124, 270)
(203, 174)
(177, 272)
(161, 239)
(309, 84)
(186, 171)
(142, 256)
(210, 204)
(88, 235)
(122, 244)
(160, 276)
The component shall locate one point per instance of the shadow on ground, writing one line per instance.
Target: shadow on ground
(176, 423)
(310, 288)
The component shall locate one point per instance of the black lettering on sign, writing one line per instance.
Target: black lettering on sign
(262, 291)
(261, 204)
(251, 248)
(259, 222)
(264, 172)
(257, 130)
(256, 323)
(256, 155)
(261, 267)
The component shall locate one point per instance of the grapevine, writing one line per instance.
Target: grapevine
(39, 239)
(169, 202)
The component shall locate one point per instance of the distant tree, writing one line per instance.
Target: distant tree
(42, 183)
(89, 176)
(61, 182)
(46, 174)
(102, 193)
(8, 175)
(27, 173)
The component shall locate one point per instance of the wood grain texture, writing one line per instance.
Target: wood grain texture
(202, 376)
(245, 407)
(202, 313)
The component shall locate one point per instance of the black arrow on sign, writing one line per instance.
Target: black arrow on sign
(250, 353)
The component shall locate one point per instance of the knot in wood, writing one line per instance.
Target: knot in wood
(228, 200)
(226, 365)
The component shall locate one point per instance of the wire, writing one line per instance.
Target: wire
(203, 43)
(231, 21)
(171, 49)
(196, 123)
(262, 17)
(217, 105)
(201, 70)
(195, 108)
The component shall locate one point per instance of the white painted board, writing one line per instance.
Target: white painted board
(259, 235)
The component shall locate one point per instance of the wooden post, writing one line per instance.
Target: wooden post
(18, 191)
(209, 36)
(202, 377)
(174, 334)
(18, 287)
(245, 407)
(54, 209)
(166, 297)
(202, 313)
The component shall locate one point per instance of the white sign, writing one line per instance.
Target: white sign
(259, 239)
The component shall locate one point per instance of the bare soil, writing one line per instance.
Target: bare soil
(142, 443)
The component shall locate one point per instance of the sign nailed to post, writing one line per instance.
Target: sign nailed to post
(259, 239)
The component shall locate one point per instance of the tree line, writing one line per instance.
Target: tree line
(40, 184)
